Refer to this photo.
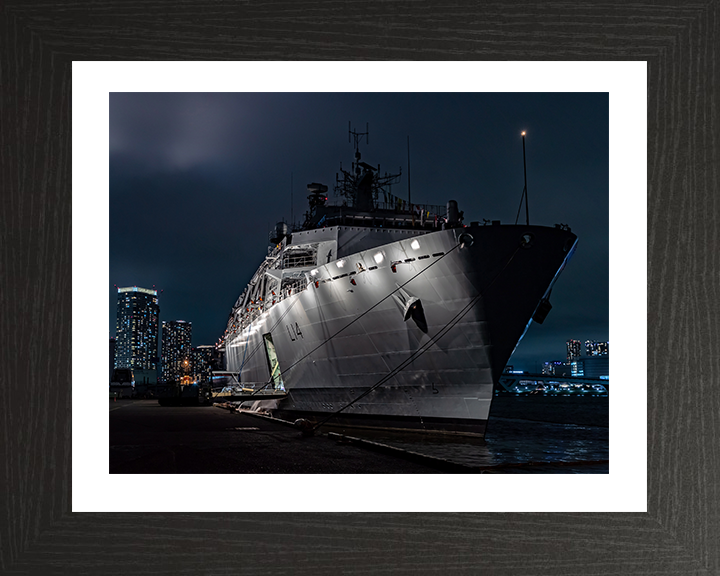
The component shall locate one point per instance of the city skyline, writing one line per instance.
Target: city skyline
(197, 181)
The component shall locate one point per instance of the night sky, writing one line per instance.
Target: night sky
(197, 181)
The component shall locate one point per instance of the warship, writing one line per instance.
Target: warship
(379, 312)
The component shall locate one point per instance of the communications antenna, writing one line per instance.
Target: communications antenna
(524, 192)
(408, 170)
(357, 136)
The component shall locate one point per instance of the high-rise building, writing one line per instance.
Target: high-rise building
(592, 366)
(176, 350)
(137, 328)
(574, 350)
(112, 356)
(556, 368)
(204, 360)
(595, 348)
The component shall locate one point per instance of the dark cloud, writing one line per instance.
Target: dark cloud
(196, 181)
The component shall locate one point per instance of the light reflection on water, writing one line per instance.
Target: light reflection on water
(525, 435)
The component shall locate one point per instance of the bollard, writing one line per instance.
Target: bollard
(305, 426)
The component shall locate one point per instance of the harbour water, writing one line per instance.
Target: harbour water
(527, 434)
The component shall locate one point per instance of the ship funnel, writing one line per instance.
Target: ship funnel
(364, 193)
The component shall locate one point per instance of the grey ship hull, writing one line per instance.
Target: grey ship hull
(351, 327)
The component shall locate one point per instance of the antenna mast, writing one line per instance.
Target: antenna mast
(358, 136)
(524, 193)
(409, 197)
(362, 173)
(292, 219)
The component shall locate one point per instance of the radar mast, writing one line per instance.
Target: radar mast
(363, 183)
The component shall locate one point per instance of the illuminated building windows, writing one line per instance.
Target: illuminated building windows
(137, 328)
(595, 348)
(574, 349)
(176, 343)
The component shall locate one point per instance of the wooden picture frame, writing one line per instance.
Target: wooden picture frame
(678, 535)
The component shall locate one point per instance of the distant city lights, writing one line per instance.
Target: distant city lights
(136, 289)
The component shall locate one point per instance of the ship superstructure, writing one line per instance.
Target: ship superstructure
(381, 312)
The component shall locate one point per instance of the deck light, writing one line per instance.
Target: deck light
(415, 245)
(378, 257)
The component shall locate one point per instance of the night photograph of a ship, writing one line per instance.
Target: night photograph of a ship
(378, 311)
(448, 314)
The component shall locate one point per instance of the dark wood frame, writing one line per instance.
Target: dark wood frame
(680, 532)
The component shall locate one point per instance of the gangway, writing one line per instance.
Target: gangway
(233, 391)
(242, 396)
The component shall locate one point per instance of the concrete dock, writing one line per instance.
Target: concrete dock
(146, 438)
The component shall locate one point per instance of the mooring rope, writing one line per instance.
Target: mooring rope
(420, 351)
